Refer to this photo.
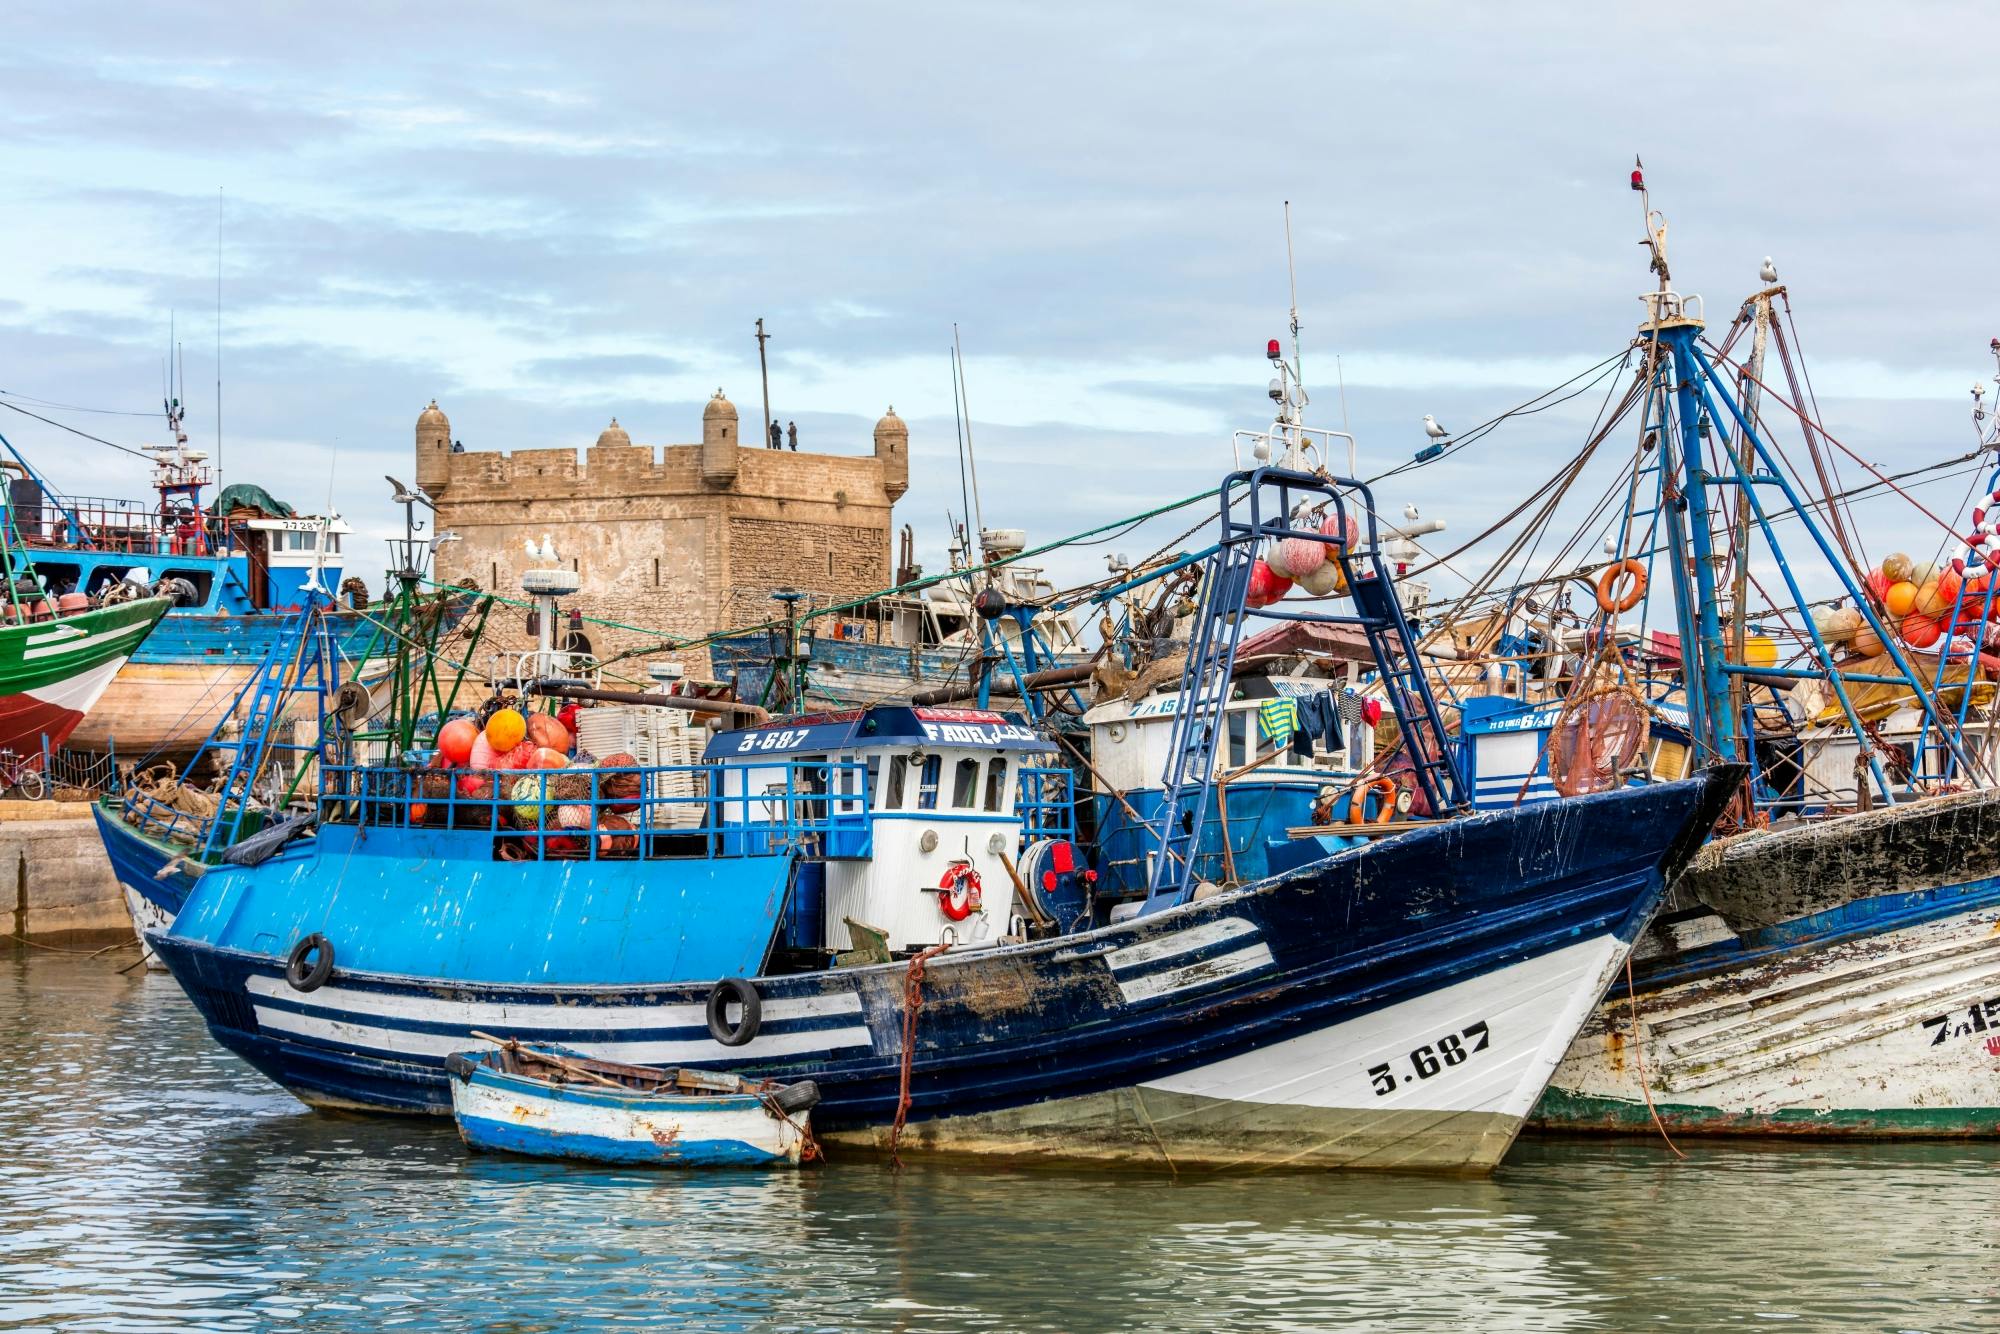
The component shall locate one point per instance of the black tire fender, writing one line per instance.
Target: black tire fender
(738, 990)
(801, 1096)
(312, 976)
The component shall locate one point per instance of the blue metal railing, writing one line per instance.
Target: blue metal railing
(809, 808)
(1045, 799)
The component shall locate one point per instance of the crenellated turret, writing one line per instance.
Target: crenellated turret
(719, 442)
(892, 446)
(433, 451)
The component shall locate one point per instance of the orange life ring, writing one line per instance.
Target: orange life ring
(1357, 805)
(959, 895)
(1609, 580)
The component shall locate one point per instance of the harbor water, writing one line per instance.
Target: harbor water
(153, 1182)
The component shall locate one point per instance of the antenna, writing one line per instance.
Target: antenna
(1656, 241)
(218, 336)
(1340, 377)
(958, 423)
(971, 459)
(1292, 278)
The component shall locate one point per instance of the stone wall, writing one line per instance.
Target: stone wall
(59, 881)
(663, 537)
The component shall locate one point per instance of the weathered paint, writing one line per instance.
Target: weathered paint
(1824, 1035)
(1770, 876)
(1371, 941)
(1310, 1101)
(512, 1114)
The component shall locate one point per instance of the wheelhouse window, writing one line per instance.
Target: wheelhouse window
(927, 783)
(965, 785)
(892, 791)
(996, 784)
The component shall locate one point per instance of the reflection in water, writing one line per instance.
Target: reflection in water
(152, 1181)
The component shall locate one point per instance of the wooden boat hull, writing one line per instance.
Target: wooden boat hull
(164, 711)
(1398, 1005)
(503, 1113)
(1869, 1015)
(170, 696)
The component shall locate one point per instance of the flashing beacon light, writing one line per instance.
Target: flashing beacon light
(1272, 350)
(1638, 174)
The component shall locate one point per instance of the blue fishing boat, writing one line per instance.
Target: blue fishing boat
(544, 1101)
(882, 901)
(233, 565)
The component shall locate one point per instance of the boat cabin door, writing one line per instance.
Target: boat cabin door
(257, 551)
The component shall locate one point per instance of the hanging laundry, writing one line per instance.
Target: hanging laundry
(1278, 719)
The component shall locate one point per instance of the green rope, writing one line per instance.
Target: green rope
(665, 645)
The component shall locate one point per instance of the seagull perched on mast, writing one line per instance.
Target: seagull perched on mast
(545, 553)
(1432, 429)
(1769, 273)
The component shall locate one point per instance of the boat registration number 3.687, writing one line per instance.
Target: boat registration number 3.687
(1431, 1058)
(782, 739)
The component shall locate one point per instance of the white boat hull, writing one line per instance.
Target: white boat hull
(1894, 1033)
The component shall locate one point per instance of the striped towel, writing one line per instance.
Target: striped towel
(1278, 719)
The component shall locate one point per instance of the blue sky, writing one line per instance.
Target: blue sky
(545, 216)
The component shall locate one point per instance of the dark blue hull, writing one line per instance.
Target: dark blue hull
(137, 863)
(1398, 1004)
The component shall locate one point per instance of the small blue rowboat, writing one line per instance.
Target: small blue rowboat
(546, 1101)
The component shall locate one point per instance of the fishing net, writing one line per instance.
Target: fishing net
(1597, 740)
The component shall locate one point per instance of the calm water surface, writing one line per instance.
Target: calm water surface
(148, 1181)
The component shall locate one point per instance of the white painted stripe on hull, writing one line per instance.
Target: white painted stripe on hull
(1838, 1030)
(81, 691)
(1531, 1011)
(1180, 942)
(70, 644)
(488, 1014)
(750, 1126)
(436, 1046)
(1201, 973)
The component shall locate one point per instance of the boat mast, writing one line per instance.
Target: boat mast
(1749, 384)
(1691, 541)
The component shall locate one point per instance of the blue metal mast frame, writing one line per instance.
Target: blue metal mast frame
(1267, 496)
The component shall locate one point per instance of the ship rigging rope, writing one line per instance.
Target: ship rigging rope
(16, 407)
(1529, 408)
(663, 644)
(1881, 478)
(53, 406)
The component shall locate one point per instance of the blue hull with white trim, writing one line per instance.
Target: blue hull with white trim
(1400, 1004)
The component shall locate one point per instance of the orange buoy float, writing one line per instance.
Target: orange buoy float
(456, 738)
(1901, 599)
(1609, 599)
(1921, 631)
(1357, 805)
(1867, 643)
(1266, 585)
(959, 893)
(506, 729)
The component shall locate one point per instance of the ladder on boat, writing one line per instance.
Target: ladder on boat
(302, 659)
(1256, 506)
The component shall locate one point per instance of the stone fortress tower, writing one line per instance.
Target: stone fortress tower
(687, 540)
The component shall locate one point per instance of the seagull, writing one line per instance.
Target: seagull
(546, 553)
(1432, 429)
(1410, 513)
(1769, 273)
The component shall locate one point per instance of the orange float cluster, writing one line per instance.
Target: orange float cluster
(505, 761)
(1914, 600)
